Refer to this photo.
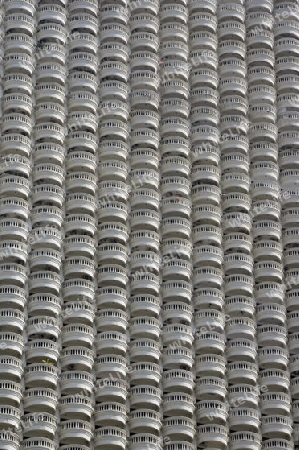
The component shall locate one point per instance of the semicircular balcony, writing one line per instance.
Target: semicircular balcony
(79, 80)
(274, 359)
(76, 407)
(40, 399)
(76, 358)
(175, 290)
(270, 313)
(175, 309)
(242, 372)
(41, 374)
(139, 304)
(209, 319)
(212, 435)
(177, 332)
(43, 326)
(244, 439)
(206, 363)
(235, 348)
(276, 426)
(208, 297)
(48, 304)
(207, 234)
(75, 431)
(179, 428)
(211, 387)
(144, 349)
(210, 342)
(207, 254)
(178, 380)
(229, 10)
(44, 279)
(111, 339)
(73, 382)
(144, 239)
(238, 327)
(112, 437)
(110, 413)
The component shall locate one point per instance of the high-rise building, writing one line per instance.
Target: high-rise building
(149, 225)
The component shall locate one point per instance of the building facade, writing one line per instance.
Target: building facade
(149, 225)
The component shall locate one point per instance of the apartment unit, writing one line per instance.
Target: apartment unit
(149, 225)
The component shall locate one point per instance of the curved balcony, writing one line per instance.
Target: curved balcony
(14, 250)
(112, 210)
(268, 271)
(178, 380)
(44, 236)
(112, 274)
(272, 335)
(277, 380)
(145, 240)
(144, 349)
(212, 435)
(42, 375)
(49, 304)
(207, 254)
(147, 303)
(48, 153)
(174, 30)
(112, 254)
(145, 218)
(175, 309)
(49, 173)
(264, 209)
(51, 31)
(290, 299)
(276, 426)
(75, 288)
(75, 311)
(236, 202)
(230, 10)
(39, 348)
(114, 230)
(244, 418)
(82, 42)
(275, 403)
(273, 357)
(242, 372)
(207, 298)
(83, 22)
(179, 428)
(177, 332)
(238, 327)
(83, 101)
(16, 273)
(245, 440)
(47, 327)
(81, 223)
(258, 93)
(108, 339)
(207, 410)
(207, 235)
(272, 313)
(210, 341)
(14, 229)
(76, 334)
(145, 372)
(266, 290)
(75, 267)
(77, 358)
(110, 319)
(74, 382)
(113, 390)
(204, 364)
(40, 400)
(209, 387)
(10, 392)
(79, 80)
(265, 229)
(176, 290)
(75, 431)
(112, 437)
(240, 303)
(76, 203)
(45, 279)
(237, 347)
(76, 407)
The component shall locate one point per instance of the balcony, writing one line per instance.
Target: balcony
(81, 223)
(145, 240)
(49, 304)
(42, 375)
(242, 372)
(207, 234)
(75, 431)
(178, 380)
(39, 281)
(76, 407)
(264, 150)
(236, 348)
(207, 410)
(74, 382)
(45, 236)
(141, 441)
(112, 274)
(19, 62)
(174, 30)
(48, 153)
(112, 296)
(238, 327)
(176, 312)
(231, 10)
(145, 21)
(238, 284)
(13, 250)
(245, 440)
(75, 288)
(40, 348)
(107, 340)
(208, 298)
(141, 304)
(240, 303)
(212, 435)
(209, 387)
(206, 193)
(268, 271)
(145, 372)
(179, 428)
(144, 350)
(109, 414)
(111, 319)
(203, 21)
(84, 101)
(176, 290)
(145, 219)
(144, 158)
(76, 203)
(112, 437)
(173, 49)
(273, 357)
(291, 300)
(210, 342)
(272, 313)
(211, 363)
(265, 229)
(112, 210)
(40, 400)
(276, 426)
(76, 334)
(47, 327)
(113, 390)
(207, 254)
(79, 80)
(77, 358)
